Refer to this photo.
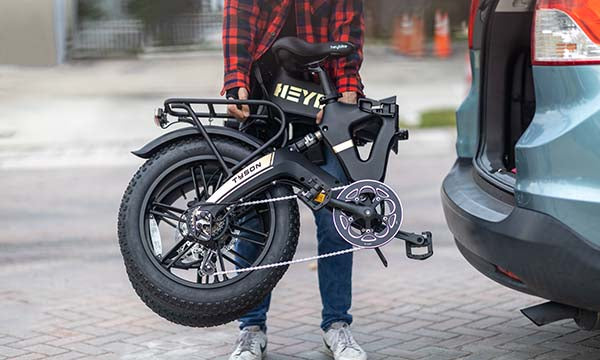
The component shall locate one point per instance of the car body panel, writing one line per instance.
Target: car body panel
(558, 156)
(467, 115)
(550, 259)
(544, 230)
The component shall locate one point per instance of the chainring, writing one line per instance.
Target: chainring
(387, 205)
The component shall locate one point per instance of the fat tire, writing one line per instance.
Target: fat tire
(187, 305)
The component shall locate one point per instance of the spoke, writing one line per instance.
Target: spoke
(222, 263)
(169, 207)
(196, 189)
(174, 249)
(241, 237)
(203, 179)
(183, 193)
(167, 221)
(189, 265)
(216, 186)
(165, 215)
(246, 220)
(246, 211)
(237, 254)
(251, 231)
(176, 259)
(240, 266)
(219, 181)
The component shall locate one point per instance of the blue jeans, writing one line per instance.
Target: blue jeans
(335, 273)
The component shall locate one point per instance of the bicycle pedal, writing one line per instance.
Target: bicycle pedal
(426, 243)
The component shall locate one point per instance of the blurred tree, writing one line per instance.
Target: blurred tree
(89, 10)
(153, 12)
(160, 16)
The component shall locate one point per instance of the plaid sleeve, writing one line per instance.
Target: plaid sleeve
(239, 26)
(347, 24)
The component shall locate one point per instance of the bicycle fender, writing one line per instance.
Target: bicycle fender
(149, 149)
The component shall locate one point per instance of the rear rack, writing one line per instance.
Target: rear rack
(181, 108)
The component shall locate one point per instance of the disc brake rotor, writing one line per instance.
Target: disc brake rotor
(373, 233)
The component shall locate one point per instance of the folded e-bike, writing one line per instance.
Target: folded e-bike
(210, 223)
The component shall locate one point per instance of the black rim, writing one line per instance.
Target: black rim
(244, 242)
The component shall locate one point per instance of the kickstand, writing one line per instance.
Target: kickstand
(381, 257)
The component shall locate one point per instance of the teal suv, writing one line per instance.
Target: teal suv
(523, 198)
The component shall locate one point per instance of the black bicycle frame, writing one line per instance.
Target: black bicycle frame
(285, 163)
(278, 162)
(193, 117)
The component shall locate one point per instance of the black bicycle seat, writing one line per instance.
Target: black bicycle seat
(300, 52)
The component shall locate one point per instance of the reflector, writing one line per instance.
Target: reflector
(473, 14)
(508, 274)
(586, 14)
(566, 32)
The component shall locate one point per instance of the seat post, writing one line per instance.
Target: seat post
(330, 92)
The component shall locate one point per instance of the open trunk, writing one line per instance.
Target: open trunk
(508, 98)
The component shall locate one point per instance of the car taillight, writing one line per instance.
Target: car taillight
(566, 32)
(508, 274)
(473, 14)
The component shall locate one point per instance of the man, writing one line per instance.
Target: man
(249, 30)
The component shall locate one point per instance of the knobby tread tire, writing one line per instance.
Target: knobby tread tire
(192, 306)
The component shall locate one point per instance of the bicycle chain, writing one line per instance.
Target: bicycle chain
(283, 198)
(290, 262)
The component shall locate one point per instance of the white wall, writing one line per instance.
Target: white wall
(28, 31)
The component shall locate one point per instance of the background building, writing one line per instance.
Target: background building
(53, 31)
(34, 32)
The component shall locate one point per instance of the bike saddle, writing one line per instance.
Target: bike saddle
(294, 51)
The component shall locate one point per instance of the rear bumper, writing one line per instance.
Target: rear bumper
(551, 260)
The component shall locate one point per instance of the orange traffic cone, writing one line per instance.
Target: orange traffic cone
(442, 40)
(398, 36)
(417, 40)
(407, 33)
(448, 38)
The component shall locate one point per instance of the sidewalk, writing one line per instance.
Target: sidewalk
(64, 292)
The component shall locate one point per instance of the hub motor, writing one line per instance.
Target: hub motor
(381, 220)
(202, 226)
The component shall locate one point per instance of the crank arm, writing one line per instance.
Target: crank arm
(356, 210)
(416, 241)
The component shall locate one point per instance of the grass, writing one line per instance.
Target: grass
(438, 118)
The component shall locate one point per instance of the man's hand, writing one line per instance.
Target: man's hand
(348, 97)
(243, 112)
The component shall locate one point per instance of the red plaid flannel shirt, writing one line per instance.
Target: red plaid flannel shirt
(251, 26)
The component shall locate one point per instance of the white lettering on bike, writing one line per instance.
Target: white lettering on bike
(259, 166)
(338, 47)
(297, 95)
(247, 171)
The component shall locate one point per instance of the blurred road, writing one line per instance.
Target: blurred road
(64, 294)
(91, 113)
